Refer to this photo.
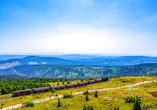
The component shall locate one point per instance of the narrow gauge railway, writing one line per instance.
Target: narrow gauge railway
(58, 87)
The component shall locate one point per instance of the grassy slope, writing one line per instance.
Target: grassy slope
(78, 101)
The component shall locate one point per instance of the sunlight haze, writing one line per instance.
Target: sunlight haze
(118, 27)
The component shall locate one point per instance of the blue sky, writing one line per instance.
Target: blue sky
(109, 27)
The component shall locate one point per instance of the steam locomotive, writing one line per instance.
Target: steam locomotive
(58, 87)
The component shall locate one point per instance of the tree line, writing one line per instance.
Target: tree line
(8, 86)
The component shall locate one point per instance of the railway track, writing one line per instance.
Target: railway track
(5, 97)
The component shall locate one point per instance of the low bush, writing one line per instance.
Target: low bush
(2, 104)
(67, 95)
(86, 93)
(28, 104)
(53, 90)
(152, 105)
(88, 108)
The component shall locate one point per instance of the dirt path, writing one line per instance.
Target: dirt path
(59, 96)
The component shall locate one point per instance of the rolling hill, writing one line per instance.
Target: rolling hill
(78, 71)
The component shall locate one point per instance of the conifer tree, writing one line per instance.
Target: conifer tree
(115, 108)
(68, 82)
(57, 82)
(84, 108)
(137, 105)
(59, 104)
(87, 98)
(118, 108)
(96, 94)
(92, 108)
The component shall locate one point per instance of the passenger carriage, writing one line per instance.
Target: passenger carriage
(21, 92)
(83, 83)
(98, 80)
(71, 85)
(104, 79)
(41, 89)
(91, 81)
(58, 87)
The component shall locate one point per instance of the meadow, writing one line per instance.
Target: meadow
(106, 99)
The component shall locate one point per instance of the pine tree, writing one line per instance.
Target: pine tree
(4, 90)
(118, 108)
(23, 87)
(137, 105)
(57, 82)
(95, 94)
(84, 108)
(68, 82)
(92, 108)
(59, 104)
(115, 108)
(87, 98)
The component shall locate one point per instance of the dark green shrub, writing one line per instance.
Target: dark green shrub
(28, 104)
(87, 97)
(116, 108)
(137, 105)
(88, 108)
(96, 94)
(59, 103)
(67, 95)
(86, 93)
(2, 104)
(53, 90)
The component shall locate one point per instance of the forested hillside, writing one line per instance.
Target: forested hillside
(75, 71)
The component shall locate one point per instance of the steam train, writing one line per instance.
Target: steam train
(58, 87)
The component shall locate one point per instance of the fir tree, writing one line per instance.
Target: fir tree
(59, 104)
(57, 82)
(96, 94)
(115, 108)
(68, 82)
(92, 108)
(84, 108)
(87, 98)
(118, 108)
(137, 105)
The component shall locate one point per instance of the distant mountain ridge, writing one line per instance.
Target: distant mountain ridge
(32, 60)
(75, 59)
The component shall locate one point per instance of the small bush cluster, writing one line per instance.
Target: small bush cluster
(28, 104)
(136, 100)
(67, 95)
(116, 108)
(88, 108)
(131, 99)
(86, 93)
(149, 106)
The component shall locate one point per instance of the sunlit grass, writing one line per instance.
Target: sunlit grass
(106, 100)
(72, 103)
